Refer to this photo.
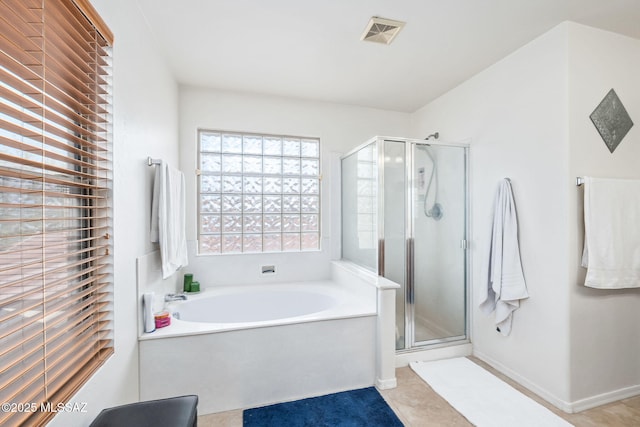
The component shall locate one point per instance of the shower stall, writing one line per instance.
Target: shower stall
(404, 216)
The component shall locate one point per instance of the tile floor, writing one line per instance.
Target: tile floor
(417, 405)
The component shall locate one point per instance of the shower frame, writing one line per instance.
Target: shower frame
(409, 286)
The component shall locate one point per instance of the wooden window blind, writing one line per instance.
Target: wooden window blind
(55, 181)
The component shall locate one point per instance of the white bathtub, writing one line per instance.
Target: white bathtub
(240, 347)
(258, 304)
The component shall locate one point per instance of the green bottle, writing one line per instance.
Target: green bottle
(188, 279)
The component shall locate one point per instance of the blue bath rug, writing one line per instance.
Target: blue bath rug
(356, 408)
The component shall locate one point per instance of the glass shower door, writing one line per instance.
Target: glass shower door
(438, 243)
(394, 225)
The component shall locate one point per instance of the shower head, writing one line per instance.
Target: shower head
(433, 135)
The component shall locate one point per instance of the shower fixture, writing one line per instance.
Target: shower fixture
(435, 211)
(433, 135)
(390, 226)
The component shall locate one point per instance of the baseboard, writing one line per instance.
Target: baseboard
(604, 398)
(386, 384)
(544, 394)
(569, 407)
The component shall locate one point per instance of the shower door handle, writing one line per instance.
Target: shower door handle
(463, 244)
(410, 270)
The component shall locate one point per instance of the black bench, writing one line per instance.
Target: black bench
(173, 412)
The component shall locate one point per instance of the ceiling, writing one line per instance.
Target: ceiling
(312, 49)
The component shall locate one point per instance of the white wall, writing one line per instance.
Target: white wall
(528, 117)
(605, 337)
(515, 113)
(145, 123)
(339, 127)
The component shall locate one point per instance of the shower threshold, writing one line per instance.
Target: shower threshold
(434, 351)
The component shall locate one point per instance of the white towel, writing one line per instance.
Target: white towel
(505, 285)
(612, 233)
(168, 218)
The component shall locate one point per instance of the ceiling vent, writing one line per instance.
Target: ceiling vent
(381, 30)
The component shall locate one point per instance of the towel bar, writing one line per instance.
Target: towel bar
(152, 162)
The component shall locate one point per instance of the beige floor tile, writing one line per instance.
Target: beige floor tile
(222, 419)
(417, 405)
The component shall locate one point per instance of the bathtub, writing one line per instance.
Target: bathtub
(247, 346)
(255, 306)
(244, 307)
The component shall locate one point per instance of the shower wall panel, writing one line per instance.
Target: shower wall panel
(359, 207)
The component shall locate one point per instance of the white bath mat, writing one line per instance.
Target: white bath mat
(481, 397)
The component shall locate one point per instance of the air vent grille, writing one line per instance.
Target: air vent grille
(381, 30)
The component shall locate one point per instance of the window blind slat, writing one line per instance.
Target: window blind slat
(100, 228)
(71, 340)
(46, 166)
(25, 109)
(19, 78)
(26, 347)
(67, 87)
(38, 138)
(23, 372)
(48, 193)
(44, 177)
(31, 278)
(30, 10)
(53, 136)
(96, 298)
(27, 378)
(74, 322)
(76, 308)
(54, 347)
(15, 77)
(16, 48)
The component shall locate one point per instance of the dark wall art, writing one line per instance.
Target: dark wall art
(612, 120)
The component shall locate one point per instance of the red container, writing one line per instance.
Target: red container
(162, 319)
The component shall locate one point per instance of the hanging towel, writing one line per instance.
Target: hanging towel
(612, 233)
(168, 218)
(505, 285)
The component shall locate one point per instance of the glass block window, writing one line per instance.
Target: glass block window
(258, 193)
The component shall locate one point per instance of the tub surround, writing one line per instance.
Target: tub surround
(354, 276)
(240, 365)
(149, 279)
